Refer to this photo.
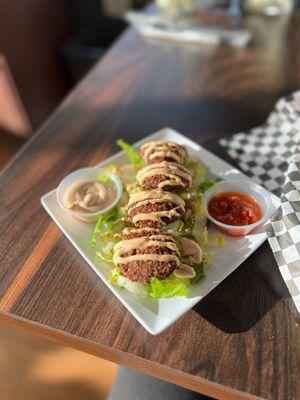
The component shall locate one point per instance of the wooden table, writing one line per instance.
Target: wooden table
(242, 340)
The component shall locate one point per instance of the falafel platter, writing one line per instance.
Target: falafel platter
(139, 221)
(156, 238)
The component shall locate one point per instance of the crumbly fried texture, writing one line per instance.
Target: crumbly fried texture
(135, 233)
(143, 271)
(172, 148)
(153, 207)
(153, 181)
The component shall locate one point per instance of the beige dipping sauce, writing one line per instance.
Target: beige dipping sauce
(88, 196)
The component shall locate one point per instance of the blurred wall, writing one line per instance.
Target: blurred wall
(30, 31)
(117, 8)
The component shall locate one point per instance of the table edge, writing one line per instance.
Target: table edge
(200, 385)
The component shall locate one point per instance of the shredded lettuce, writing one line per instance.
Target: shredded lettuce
(203, 237)
(206, 239)
(195, 167)
(200, 219)
(128, 174)
(133, 188)
(106, 252)
(124, 199)
(189, 236)
(175, 228)
(207, 257)
(205, 185)
(215, 240)
(113, 168)
(108, 224)
(198, 171)
(133, 287)
(131, 153)
(106, 179)
(115, 275)
(199, 273)
(110, 168)
(169, 287)
(183, 193)
(107, 233)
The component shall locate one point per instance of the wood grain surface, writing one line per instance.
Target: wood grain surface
(242, 340)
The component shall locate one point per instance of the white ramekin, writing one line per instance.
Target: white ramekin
(92, 173)
(247, 187)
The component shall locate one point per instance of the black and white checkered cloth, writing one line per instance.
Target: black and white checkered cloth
(270, 155)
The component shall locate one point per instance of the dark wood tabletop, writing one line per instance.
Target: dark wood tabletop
(242, 340)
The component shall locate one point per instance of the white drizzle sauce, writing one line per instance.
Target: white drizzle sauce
(175, 174)
(165, 149)
(164, 241)
(184, 271)
(145, 198)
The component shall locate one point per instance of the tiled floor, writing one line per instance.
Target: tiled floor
(33, 369)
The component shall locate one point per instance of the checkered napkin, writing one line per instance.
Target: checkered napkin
(270, 155)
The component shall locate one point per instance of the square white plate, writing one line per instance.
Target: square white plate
(157, 315)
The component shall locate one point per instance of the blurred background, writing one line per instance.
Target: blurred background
(46, 46)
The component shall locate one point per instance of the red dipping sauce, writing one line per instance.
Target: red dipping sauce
(235, 209)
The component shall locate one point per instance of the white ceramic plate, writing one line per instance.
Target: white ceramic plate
(157, 315)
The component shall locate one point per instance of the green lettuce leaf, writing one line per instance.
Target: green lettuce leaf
(199, 273)
(116, 273)
(183, 193)
(133, 188)
(169, 287)
(107, 233)
(134, 287)
(202, 188)
(104, 178)
(198, 171)
(131, 153)
(200, 219)
(106, 252)
(108, 224)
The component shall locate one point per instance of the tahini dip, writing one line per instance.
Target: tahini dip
(88, 196)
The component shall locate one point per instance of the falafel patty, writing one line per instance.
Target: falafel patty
(165, 176)
(155, 208)
(131, 233)
(146, 253)
(162, 150)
